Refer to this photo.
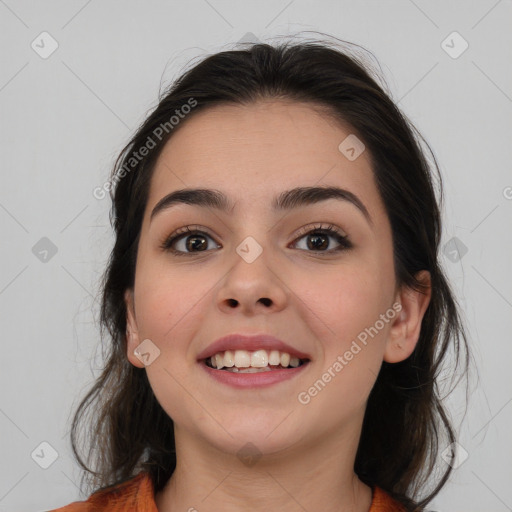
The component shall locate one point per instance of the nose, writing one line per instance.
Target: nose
(253, 288)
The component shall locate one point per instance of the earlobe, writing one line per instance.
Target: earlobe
(132, 333)
(406, 328)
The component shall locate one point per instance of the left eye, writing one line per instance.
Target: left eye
(317, 239)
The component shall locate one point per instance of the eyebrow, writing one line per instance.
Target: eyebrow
(287, 200)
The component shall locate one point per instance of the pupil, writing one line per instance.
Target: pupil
(193, 244)
(315, 245)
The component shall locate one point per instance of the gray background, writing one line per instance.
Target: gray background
(65, 117)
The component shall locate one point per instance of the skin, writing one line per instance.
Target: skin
(318, 304)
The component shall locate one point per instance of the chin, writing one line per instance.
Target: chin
(269, 434)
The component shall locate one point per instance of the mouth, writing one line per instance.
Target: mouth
(252, 361)
(258, 361)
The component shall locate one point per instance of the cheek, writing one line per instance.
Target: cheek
(347, 300)
(168, 302)
(352, 349)
(169, 313)
(347, 306)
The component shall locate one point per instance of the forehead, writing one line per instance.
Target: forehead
(253, 152)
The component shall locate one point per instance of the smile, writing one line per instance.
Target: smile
(245, 361)
(244, 369)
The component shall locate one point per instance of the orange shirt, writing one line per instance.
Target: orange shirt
(137, 495)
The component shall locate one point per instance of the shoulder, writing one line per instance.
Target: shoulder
(135, 494)
(383, 502)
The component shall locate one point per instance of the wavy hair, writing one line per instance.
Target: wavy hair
(405, 420)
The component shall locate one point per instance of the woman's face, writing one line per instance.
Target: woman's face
(288, 284)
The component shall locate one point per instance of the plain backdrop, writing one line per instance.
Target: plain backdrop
(76, 79)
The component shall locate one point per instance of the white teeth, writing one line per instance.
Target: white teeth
(259, 359)
(249, 370)
(242, 359)
(229, 359)
(219, 360)
(274, 357)
(249, 362)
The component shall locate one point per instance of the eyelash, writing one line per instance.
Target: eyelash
(330, 230)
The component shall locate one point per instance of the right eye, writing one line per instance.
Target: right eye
(186, 241)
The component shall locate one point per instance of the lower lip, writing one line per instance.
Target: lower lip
(253, 380)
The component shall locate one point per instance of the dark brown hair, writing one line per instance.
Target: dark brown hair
(405, 419)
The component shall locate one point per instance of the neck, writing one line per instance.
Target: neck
(318, 477)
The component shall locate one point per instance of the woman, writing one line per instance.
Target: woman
(277, 310)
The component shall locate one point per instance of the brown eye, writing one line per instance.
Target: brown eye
(319, 239)
(187, 241)
(195, 243)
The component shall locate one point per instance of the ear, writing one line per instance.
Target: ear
(132, 332)
(405, 331)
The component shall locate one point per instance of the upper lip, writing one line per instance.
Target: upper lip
(251, 343)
